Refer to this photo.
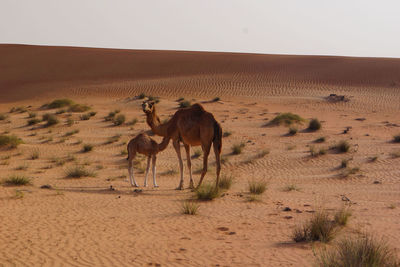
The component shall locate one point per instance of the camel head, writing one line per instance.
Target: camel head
(148, 106)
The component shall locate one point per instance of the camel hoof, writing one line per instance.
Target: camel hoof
(179, 188)
(156, 186)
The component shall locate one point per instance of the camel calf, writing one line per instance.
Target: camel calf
(145, 145)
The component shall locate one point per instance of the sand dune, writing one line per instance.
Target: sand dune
(82, 222)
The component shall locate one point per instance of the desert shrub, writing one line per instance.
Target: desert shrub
(257, 187)
(225, 182)
(286, 118)
(87, 148)
(113, 139)
(180, 99)
(364, 251)
(92, 113)
(78, 108)
(132, 122)
(344, 163)
(31, 115)
(141, 96)
(349, 171)
(314, 125)
(341, 147)
(226, 133)
(396, 138)
(197, 153)
(85, 117)
(59, 103)
(33, 122)
(291, 187)
(71, 132)
(16, 180)
(3, 116)
(10, 141)
(320, 139)
(18, 109)
(78, 172)
(190, 207)
(69, 122)
(342, 216)
(318, 228)
(216, 99)
(315, 153)
(52, 120)
(60, 111)
(22, 167)
(207, 191)
(119, 120)
(261, 154)
(237, 148)
(34, 155)
(184, 104)
(292, 131)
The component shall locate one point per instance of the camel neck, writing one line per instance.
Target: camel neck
(154, 122)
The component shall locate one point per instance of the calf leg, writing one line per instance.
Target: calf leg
(154, 159)
(147, 171)
(130, 171)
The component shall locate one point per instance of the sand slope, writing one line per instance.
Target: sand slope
(81, 222)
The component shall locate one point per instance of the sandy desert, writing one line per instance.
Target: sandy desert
(99, 220)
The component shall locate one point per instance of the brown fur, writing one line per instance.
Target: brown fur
(194, 127)
(147, 146)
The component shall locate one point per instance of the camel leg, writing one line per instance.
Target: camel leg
(178, 153)
(189, 164)
(218, 161)
(154, 159)
(206, 151)
(147, 171)
(131, 176)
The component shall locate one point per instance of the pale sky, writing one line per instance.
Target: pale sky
(316, 27)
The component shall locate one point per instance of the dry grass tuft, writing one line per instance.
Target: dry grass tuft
(237, 148)
(190, 207)
(365, 251)
(318, 228)
(286, 118)
(341, 217)
(78, 172)
(10, 141)
(16, 180)
(314, 125)
(257, 187)
(207, 191)
(225, 182)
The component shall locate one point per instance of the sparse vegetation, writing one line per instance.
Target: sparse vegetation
(253, 198)
(78, 172)
(113, 139)
(315, 153)
(78, 108)
(257, 187)
(225, 182)
(60, 111)
(132, 122)
(154, 98)
(10, 141)
(50, 119)
(292, 131)
(291, 187)
(286, 118)
(33, 122)
(341, 147)
(190, 207)
(341, 217)
(207, 191)
(216, 99)
(92, 113)
(34, 155)
(314, 125)
(396, 138)
(373, 158)
(345, 163)
(19, 194)
(31, 114)
(3, 116)
(262, 154)
(17, 180)
(119, 120)
(197, 153)
(70, 122)
(226, 133)
(184, 104)
(22, 167)
(320, 139)
(350, 171)
(71, 132)
(59, 103)
(237, 148)
(85, 117)
(87, 148)
(319, 228)
(142, 96)
(365, 251)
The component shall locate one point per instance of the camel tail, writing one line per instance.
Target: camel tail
(217, 136)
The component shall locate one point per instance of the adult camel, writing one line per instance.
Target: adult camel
(194, 127)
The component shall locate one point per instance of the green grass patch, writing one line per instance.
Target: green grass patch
(286, 119)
